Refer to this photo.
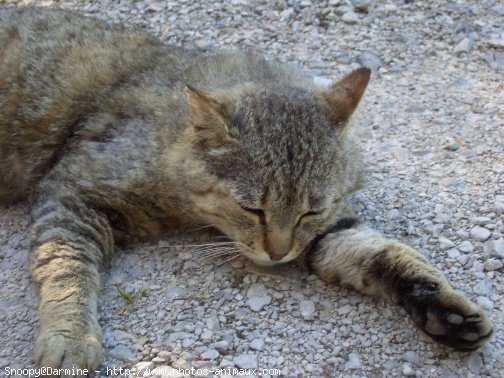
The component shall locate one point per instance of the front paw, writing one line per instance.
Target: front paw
(66, 349)
(447, 316)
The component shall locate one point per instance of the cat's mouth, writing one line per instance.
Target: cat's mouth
(229, 249)
(264, 259)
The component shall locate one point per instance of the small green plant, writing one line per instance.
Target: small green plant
(237, 279)
(126, 296)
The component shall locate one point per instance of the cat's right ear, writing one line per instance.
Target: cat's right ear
(343, 96)
(209, 116)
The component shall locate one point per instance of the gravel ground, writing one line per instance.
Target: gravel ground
(431, 126)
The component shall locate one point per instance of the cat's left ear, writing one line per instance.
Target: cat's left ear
(210, 114)
(343, 96)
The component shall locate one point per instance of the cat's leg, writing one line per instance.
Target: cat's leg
(366, 261)
(69, 243)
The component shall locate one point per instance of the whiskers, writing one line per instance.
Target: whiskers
(211, 251)
(229, 250)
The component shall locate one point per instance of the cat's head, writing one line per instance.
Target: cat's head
(276, 162)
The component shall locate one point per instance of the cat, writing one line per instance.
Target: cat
(115, 135)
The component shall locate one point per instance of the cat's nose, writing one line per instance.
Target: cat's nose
(277, 257)
(278, 244)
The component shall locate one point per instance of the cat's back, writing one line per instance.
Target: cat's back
(57, 69)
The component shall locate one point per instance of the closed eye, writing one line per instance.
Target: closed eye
(308, 215)
(256, 212)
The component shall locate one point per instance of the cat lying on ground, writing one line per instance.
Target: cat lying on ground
(116, 134)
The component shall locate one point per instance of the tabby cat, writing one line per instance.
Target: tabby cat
(115, 134)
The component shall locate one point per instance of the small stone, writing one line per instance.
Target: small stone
(353, 362)
(307, 308)
(452, 147)
(203, 44)
(480, 221)
(257, 290)
(343, 9)
(498, 10)
(213, 323)
(175, 336)
(174, 292)
(257, 344)
(158, 360)
(210, 354)
(369, 60)
(321, 81)
(391, 364)
(165, 354)
(497, 43)
(499, 206)
(494, 248)
(485, 303)
(122, 337)
(350, 18)
(221, 345)
(123, 353)
(413, 358)
(257, 303)
(344, 309)
(186, 343)
(141, 367)
(445, 243)
(245, 361)
(453, 253)
(407, 370)
(206, 335)
(466, 247)
(484, 287)
(361, 5)
(286, 13)
(478, 267)
(475, 363)
(463, 259)
(142, 340)
(464, 46)
(493, 264)
(480, 234)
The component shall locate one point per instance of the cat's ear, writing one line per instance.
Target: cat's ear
(210, 114)
(343, 96)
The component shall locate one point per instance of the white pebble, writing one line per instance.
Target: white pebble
(257, 303)
(353, 362)
(257, 344)
(484, 287)
(246, 361)
(492, 264)
(407, 370)
(445, 243)
(480, 234)
(350, 18)
(307, 308)
(485, 303)
(466, 247)
(210, 354)
(494, 248)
